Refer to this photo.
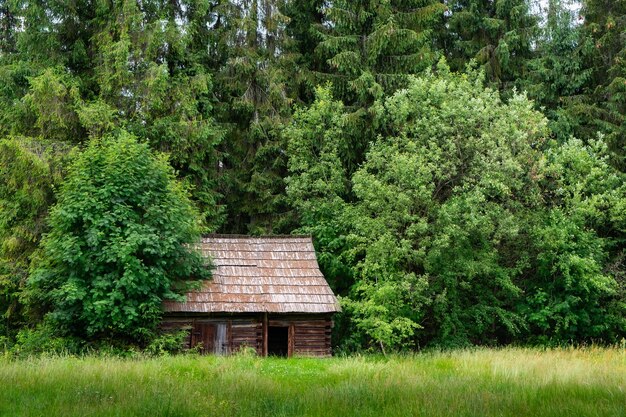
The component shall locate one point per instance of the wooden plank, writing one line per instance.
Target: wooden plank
(195, 335)
(310, 336)
(291, 340)
(230, 336)
(307, 335)
(278, 323)
(265, 330)
(208, 337)
(259, 338)
(245, 334)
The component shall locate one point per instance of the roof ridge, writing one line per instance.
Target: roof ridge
(242, 236)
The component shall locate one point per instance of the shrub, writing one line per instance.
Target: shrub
(120, 243)
(166, 343)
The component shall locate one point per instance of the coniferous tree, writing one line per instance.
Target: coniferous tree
(557, 75)
(370, 48)
(83, 71)
(152, 71)
(305, 17)
(497, 34)
(603, 106)
(8, 26)
(29, 172)
(256, 87)
(40, 77)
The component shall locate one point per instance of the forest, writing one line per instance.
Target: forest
(460, 164)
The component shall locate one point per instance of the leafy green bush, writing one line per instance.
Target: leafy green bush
(43, 339)
(119, 244)
(4, 344)
(575, 294)
(167, 343)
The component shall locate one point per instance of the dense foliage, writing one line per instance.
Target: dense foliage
(29, 173)
(497, 34)
(605, 104)
(452, 210)
(118, 244)
(459, 163)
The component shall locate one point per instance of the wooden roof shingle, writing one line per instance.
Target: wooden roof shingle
(273, 274)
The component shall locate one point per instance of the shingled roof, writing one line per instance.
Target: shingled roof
(273, 274)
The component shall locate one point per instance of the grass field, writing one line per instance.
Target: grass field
(510, 382)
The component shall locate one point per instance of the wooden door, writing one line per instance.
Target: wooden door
(203, 334)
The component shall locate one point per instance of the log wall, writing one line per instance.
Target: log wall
(248, 334)
(308, 335)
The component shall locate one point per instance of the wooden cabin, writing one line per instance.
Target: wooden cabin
(267, 293)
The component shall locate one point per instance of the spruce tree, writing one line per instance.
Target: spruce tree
(29, 172)
(8, 26)
(557, 75)
(82, 70)
(152, 72)
(305, 17)
(497, 34)
(370, 48)
(603, 107)
(256, 85)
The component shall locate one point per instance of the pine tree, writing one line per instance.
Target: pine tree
(603, 107)
(370, 48)
(86, 70)
(557, 74)
(497, 34)
(8, 25)
(256, 86)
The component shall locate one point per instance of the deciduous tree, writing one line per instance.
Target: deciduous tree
(120, 242)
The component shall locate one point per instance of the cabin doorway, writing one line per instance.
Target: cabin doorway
(278, 341)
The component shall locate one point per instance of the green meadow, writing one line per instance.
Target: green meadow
(508, 382)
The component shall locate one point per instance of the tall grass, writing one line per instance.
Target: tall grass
(509, 382)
